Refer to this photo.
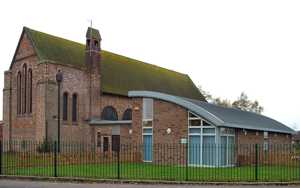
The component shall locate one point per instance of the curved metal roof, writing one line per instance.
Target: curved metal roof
(220, 116)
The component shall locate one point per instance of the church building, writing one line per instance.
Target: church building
(109, 99)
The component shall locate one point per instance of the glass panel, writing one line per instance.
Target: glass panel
(206, 123)
(147, 123)
(147, 147)
(266, 145)
(231, 150)
(147, 131)
(191, 115)
(227, 131)
(195, 130)
(209, 130)
(195, 122)
(194, 150)
(209, 151)
(266, 134)
(223, 151)
(147, 108)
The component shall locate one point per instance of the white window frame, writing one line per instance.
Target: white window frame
(201, 134)
(146, 120)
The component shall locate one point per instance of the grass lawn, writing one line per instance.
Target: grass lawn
(166, 172)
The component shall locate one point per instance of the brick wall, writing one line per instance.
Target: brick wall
(22, 125)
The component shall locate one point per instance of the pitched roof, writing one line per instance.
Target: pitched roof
(220, 116)
(120, 74)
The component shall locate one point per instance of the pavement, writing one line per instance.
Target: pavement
(43, 184)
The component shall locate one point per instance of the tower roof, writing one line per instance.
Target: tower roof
(93, 33)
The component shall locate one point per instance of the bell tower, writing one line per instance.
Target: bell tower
(93, 65)
(92, 49)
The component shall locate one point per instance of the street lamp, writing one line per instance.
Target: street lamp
(59, 79)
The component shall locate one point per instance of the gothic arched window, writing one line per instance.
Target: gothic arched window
(29, 90)
(127, 114)
(74, 107)
(65, 106)
(19, 80)
(109, 113)
(24, 89)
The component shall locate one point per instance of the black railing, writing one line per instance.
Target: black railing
(174, 162)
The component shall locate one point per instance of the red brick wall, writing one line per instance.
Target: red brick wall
(23, 126)
(1, 134)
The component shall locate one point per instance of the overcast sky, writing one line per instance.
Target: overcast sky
(225, 46)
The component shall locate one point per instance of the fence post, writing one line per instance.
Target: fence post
(186, 162)
(256, 161)
(55, 159)
(118, 158)
(1, 153)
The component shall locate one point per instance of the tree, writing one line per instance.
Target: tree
(245, 104)
(242, 102)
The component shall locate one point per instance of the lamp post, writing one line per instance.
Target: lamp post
(59, 79)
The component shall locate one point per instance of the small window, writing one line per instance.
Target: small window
(266, 135)
(88, 42)
(98, 139)
(127, 114)
(109, 113)
(24, 89)
(30, 91)
(19, 95)
(65, 106)
(147, 123)
(195, 122)
(96, 44)
(74, 107)
(147, 109)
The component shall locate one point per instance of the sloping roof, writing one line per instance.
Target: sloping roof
(220, 116)
(120, 74)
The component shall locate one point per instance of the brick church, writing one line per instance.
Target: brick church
(108, 99)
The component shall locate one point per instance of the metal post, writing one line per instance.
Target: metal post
(59, 79)
(256, 161)
(186, 162)
(55, 159)
(58, 116)
(118, 158)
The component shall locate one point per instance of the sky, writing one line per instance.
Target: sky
(227, 47)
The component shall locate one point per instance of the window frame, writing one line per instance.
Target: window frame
(65, 103)
(75, 109)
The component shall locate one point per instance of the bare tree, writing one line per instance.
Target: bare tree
(242, 102)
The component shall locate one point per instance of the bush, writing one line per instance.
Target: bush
(45, 147)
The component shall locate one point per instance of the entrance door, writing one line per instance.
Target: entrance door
(195, 150)
(147, 147)
(105, 143)
(115, 143)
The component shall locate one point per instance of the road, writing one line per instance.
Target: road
(37, 184)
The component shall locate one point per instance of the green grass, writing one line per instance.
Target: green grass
(166, 172)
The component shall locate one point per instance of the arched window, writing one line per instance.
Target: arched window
(19, 80)
(30, 91)
(65, 106)
(127, 114)
(74, 107)
(109, 113)
(24, 89)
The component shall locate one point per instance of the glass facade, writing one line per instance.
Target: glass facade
(209, 145)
